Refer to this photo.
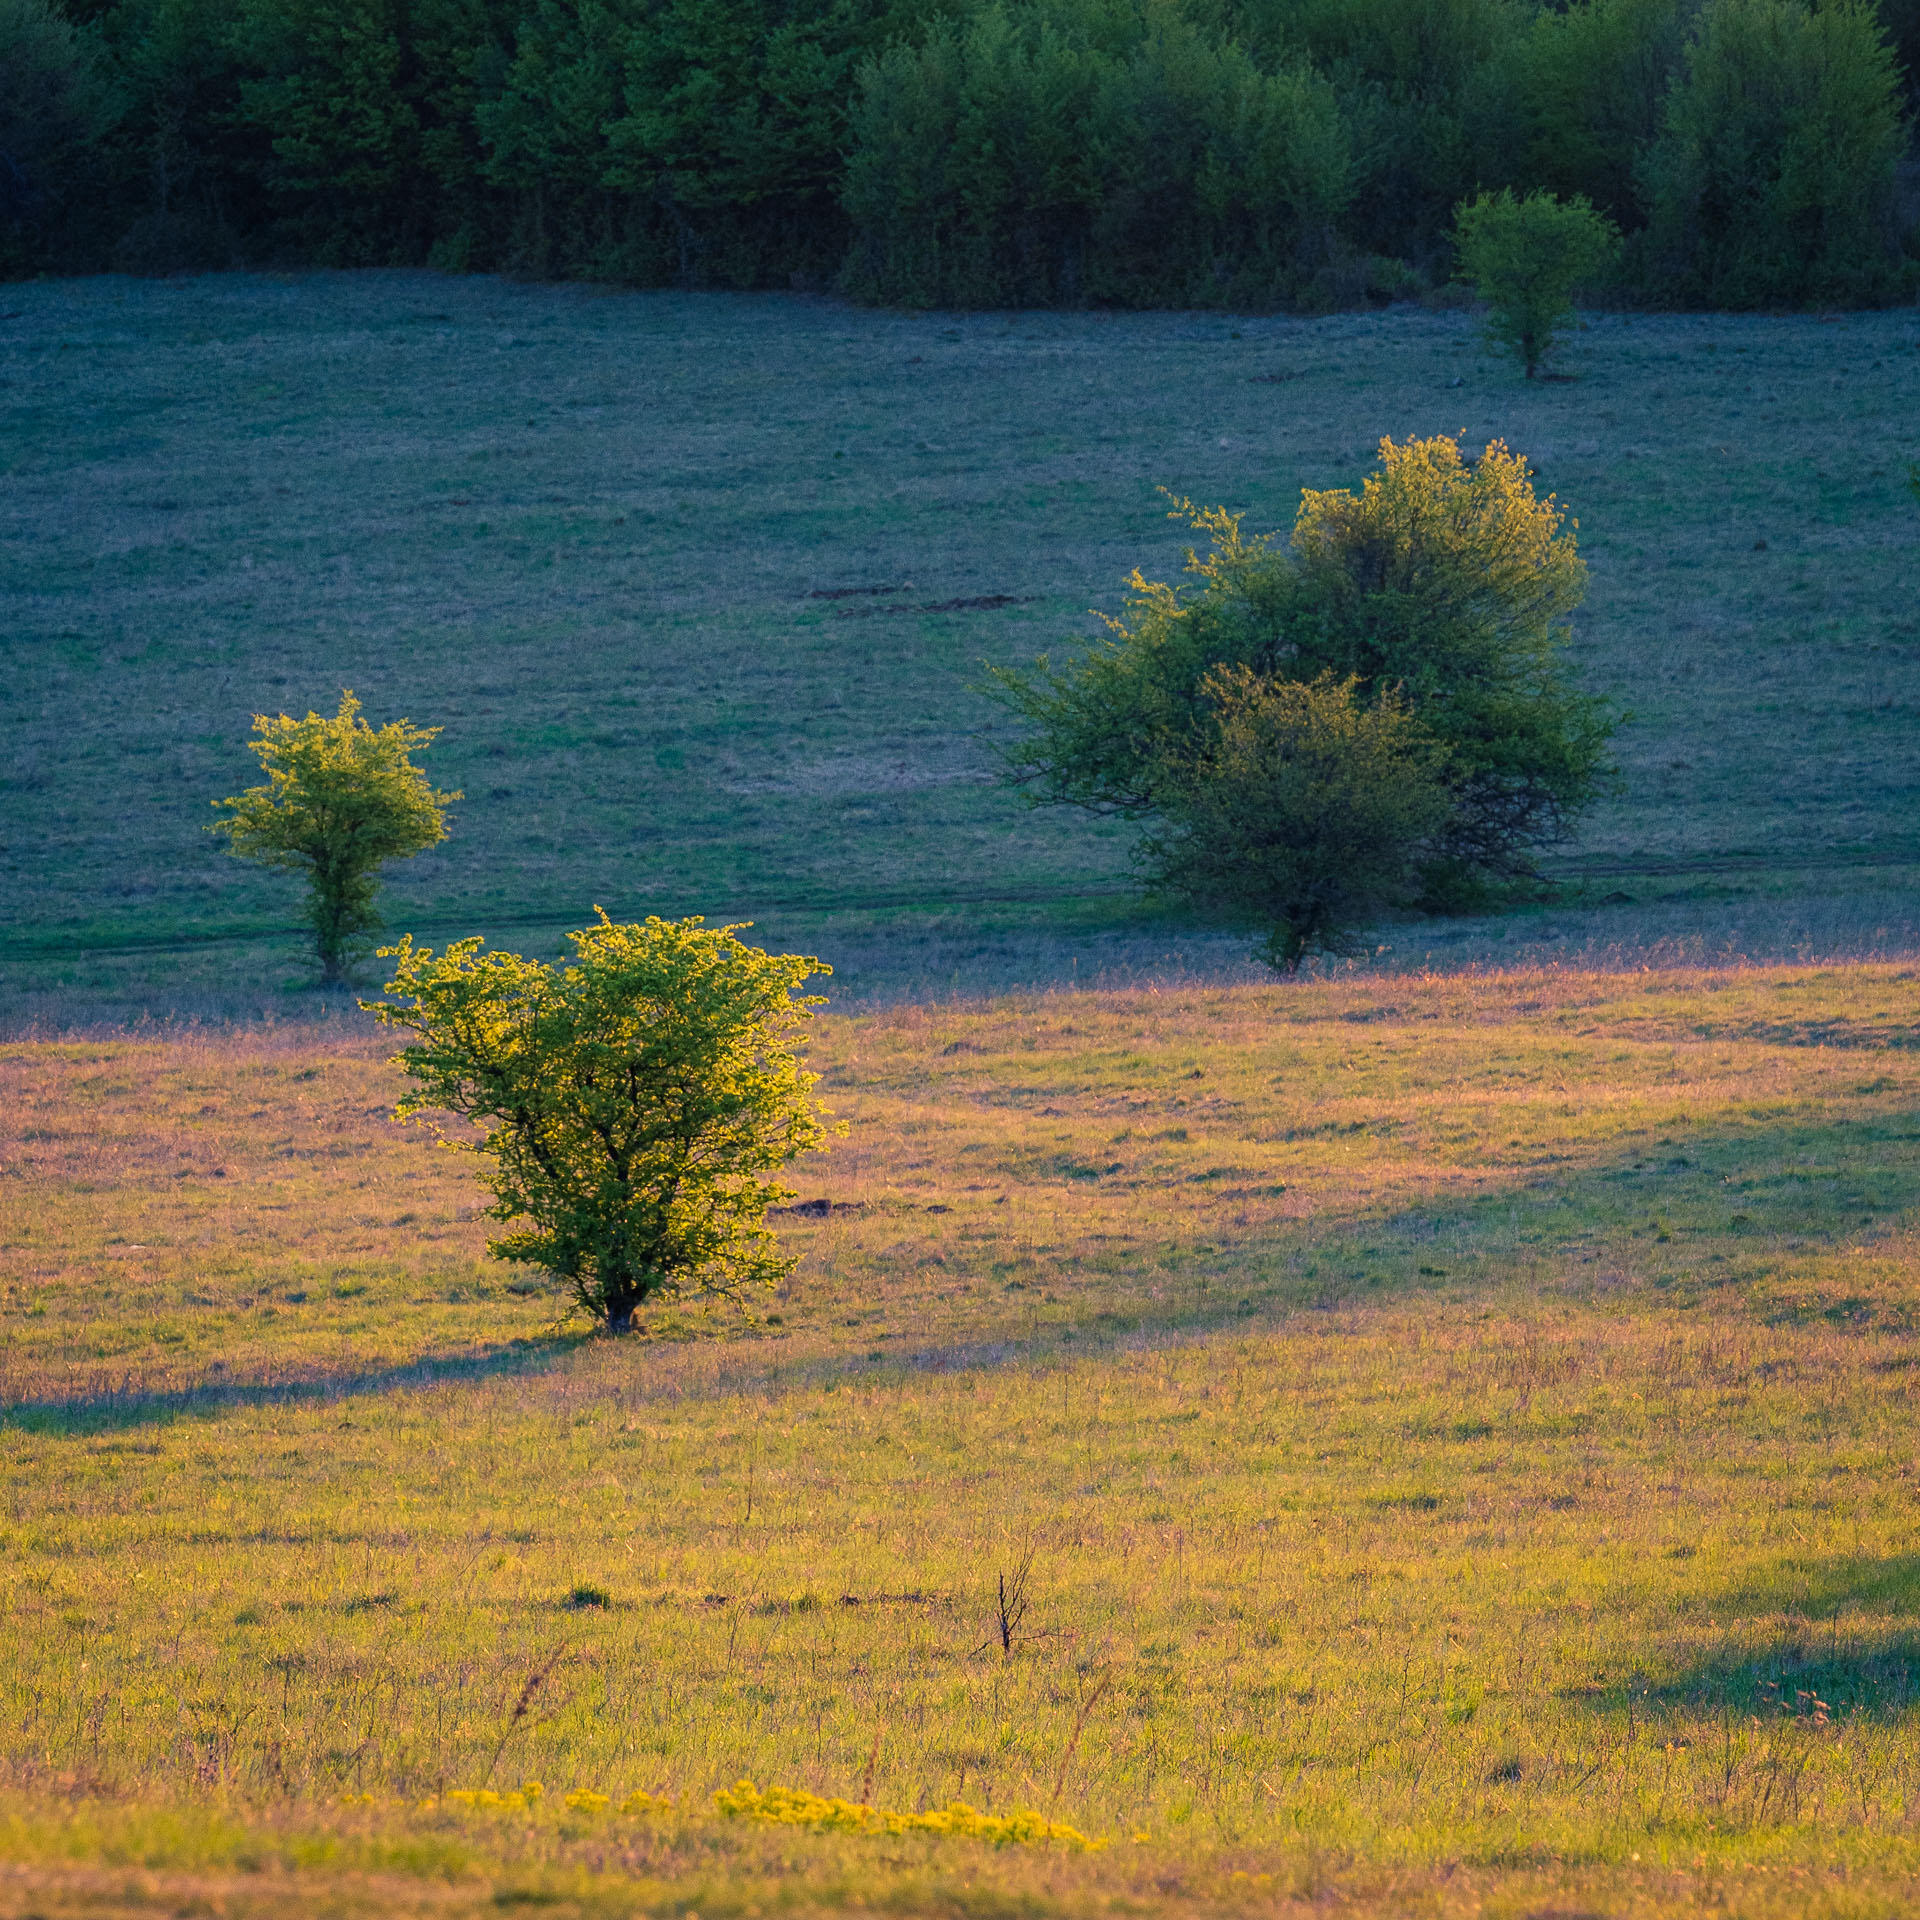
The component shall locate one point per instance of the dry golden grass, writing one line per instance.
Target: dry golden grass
(1462, 1430)
(1121, 1146)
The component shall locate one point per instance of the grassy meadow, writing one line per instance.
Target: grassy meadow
(1436, 1438)
(701, 589)
(1459, 1431)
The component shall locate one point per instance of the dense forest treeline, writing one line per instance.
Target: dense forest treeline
(1298, 153)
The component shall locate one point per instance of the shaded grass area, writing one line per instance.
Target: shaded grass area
(589, 534)
(1461, 1429)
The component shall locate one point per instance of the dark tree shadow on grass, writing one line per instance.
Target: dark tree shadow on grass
(108, 1410)
(1839, 1637)
(1703, 1215)
(1688, 1212)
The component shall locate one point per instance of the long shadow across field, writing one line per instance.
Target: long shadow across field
(108, 1410)
(1713, 1211)
(1717, 1212)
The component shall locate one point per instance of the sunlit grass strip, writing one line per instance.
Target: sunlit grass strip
(1459, 1538)
(794, 1807)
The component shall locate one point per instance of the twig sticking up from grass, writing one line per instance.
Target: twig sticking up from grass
(535, 1680)
(873, 1760)
(1073, 1739)
(1013, 1602)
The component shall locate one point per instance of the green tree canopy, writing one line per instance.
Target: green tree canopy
(1525, 257)
(342, 799)
(1775, 176)
(1450, 584)
(633, 1104)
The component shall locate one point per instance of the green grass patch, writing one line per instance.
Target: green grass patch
(589, 534)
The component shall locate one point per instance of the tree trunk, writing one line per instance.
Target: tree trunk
(329, 927)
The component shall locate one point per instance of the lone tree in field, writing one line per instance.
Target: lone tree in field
(1525, 257)
(341, 800)
(1442, 588)
(632, 1103)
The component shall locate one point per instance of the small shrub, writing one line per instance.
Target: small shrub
(633, 1102)
(584, 1595)
(1525, 257)
(1302, 811)
(341, 800)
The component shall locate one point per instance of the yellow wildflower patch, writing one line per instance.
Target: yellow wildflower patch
(485, 1800)
(794, 1807)
(526, 1798)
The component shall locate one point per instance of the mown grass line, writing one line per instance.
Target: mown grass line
(797, 903)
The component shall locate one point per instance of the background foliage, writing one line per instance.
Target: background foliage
(961, 152)
(1761, 183)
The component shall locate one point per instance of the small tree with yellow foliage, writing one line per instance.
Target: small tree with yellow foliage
(633, 1104)
(342, 799)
